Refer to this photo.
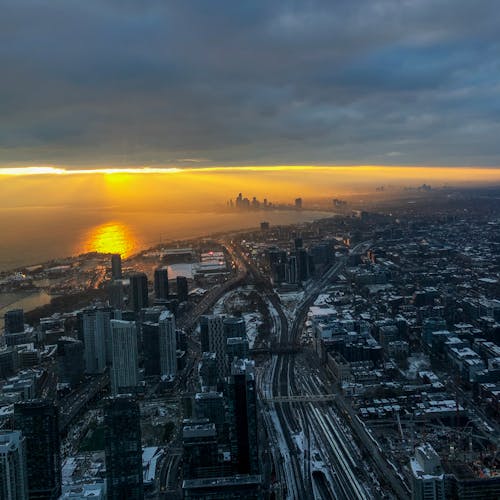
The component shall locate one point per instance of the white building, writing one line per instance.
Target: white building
(13, 468)
(168, 344)
(124, 368)
(427, 474)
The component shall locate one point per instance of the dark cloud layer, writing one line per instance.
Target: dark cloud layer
(110, 82)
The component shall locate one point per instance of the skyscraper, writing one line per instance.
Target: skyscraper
(96, 337)
(116, 266)
(138, 291)
(234, 327)
(13, 466)
(242, 405)
(70, 361)
(168, 344)
(122, 439)
(115, 294)
(14, 327)
(38, 420)
(124, 366)
(161, 283)
(213, 340)
(182, 288)
(200, 451)
(151, 348)
(14, 321)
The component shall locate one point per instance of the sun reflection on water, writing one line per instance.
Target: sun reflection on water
(111, 237)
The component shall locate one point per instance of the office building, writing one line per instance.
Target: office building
(210, 405)
(213, 340)
(13, 466)
(96, 339)
(427, 474)
(15, 332)
(70, 362)
(182, 289)
(151, 348)
(161, 283)
(138, 292)
(200, 450)
(298, 203)
(168, 344)
(207, 371)
(236, 348)
(38, 421)
(234, 327)
(115, 294)
(124, 365)
(116, 266)
(14, 321)
(242, 411)
(122, 439)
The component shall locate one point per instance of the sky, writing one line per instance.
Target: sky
(192, 83)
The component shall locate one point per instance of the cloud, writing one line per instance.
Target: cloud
(109, 82)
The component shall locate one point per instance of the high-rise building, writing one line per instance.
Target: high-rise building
(168, 344)
(138, 291)
(200, 450)
(116, 266)
(38, 421)
(182, 289)
(236, 348)
(213, 340)
(13, 466)
(210, 405)
(427, 474)
(115, 294)
(242, 410)
(96, 339)
(161, 283)
(207, 371)
(14, 328)
(124, 365)
(298, 203)
(292, 275)
(70, 361)
(302, 264)
(122, 441)
(235, 327)
(151, 348)
(14, 321)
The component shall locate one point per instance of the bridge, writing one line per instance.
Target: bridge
(302, 398)
(276, 349)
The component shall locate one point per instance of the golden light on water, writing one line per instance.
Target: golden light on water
(112, 237)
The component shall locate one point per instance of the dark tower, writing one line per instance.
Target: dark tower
(182, 288)
(243, 417)
(70, 362)
(38, 420)
(161, 283)
(151, 347)
(14, 321)
(138, 291)
(122, 432)
(116, 266)
(235, 327)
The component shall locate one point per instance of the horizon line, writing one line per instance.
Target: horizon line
(53, 170)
